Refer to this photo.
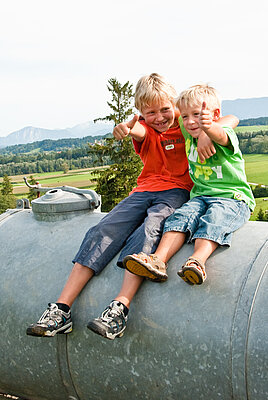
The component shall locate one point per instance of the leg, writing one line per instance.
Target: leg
(112, 322)
(170, 243)
(145, 239)
(78, 278)
(103, 241)
(222, 217)
(193, 271)
(147, 236)
(129, 288)
(203, 248)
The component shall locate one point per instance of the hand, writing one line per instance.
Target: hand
(122, 130)
(205, 147)
(205, 117)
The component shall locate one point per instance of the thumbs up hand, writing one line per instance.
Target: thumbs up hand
(205, 117)
(124, 129)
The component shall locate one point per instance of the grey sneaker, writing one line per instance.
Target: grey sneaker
(51, 322)
(112, 322)
(148, 266)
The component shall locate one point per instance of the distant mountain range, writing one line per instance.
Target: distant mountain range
(30, 134)
(242, 108)
(246, 108)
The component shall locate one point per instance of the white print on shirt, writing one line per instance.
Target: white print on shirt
(218, 171)
(169, 147)
(203, 169)
(207, 171)
(193, 155)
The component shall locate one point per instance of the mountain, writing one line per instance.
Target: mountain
(30, 134)
(242, 108)
(246, 108)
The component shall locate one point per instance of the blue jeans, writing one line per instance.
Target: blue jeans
(136, 224)
(211, 218)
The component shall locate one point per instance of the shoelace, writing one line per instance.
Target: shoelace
(47, 315)
(110, 313)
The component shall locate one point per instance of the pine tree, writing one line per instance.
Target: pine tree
(6, 187)
(121, 102)
(32, 193)
(115, 183)
(7, 199)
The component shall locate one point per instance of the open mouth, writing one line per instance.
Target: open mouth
(161, 124)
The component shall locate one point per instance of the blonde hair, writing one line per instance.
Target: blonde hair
(195, 95)
(152, 89)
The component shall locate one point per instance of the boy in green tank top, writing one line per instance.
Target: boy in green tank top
(220, 201)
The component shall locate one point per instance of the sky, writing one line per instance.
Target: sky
(56, 56)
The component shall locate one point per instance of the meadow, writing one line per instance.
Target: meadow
(252, 128)
(256, 166)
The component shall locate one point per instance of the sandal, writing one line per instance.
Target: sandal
(148, 266)
(193, 272)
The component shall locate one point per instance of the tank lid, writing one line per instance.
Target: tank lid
(59, 201)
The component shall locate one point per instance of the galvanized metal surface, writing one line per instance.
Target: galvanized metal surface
(182, 342)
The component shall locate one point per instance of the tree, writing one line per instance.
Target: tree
(121, 102)
(65, 167)
(6, 187)
(262, 216)
(115, 182)
(7, 199)
(32, 193)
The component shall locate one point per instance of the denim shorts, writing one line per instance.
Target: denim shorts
(212, 218)
(134, 225)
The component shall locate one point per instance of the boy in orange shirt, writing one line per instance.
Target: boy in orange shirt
(136, 223)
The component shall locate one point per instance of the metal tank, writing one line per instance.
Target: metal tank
(182, 342)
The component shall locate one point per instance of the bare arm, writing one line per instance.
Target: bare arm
(229, 120)
(132, 128)
(213, 129)
(205, 147)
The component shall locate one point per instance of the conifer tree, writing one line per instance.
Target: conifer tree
(115, 183)
(7, 199)
(6, 187)
(33, 194)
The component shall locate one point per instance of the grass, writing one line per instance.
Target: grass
(256, 169)
(261, 203)
(82, 178)
(256, 166)
(253, 128)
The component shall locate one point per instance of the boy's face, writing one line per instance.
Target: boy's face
(190, 117)
(160, 116)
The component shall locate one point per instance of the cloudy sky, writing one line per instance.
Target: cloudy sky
(56, 56)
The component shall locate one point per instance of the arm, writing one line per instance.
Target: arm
(205, 147)
(229, 120)
(213, 129)
(132, 128)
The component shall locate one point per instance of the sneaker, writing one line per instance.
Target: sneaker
(193, 272)
(112, 322)
(148, 266)
(51, 322)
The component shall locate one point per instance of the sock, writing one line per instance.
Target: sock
(63, 307)
(125, 309)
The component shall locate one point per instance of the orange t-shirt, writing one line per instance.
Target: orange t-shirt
(164, 159)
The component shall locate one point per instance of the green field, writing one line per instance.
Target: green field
(261, 203)
(252, 128)
(257, 168)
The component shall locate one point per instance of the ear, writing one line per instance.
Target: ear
(216, 114)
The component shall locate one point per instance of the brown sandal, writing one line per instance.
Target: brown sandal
(193, 271)
(148, 266)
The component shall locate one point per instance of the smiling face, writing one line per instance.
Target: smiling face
(160, 116)
(190, 117)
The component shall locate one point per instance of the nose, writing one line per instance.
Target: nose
(159, 116)
(191, 120)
